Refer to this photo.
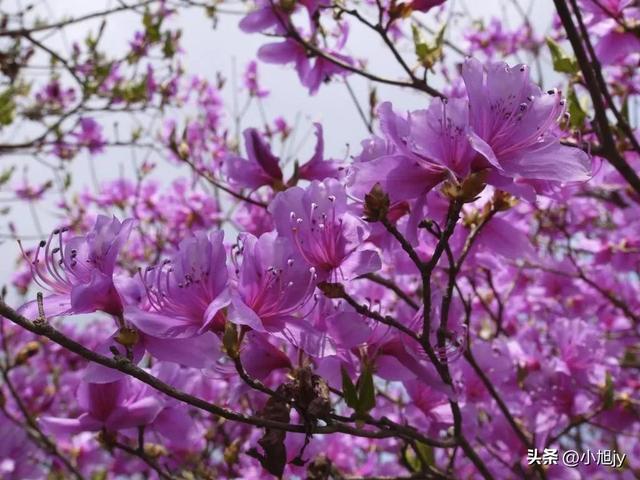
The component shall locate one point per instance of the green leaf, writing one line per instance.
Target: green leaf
(230, 340)
(428, 53)
(5, 176)
(349, 390)
(366, 391)
(577, 113)
(562, 62)
(608, 393)
(7, 107)
(624, 111)
(152, 27)
(426, 452)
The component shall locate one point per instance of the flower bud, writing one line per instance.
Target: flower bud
(230, 340)
(468, 190)
(154, 450)
(288, 6)
(332, 290)
(127, 337)
(26, 352)
(183, 150)
(231, 453)
(503, 201)
(376, 204)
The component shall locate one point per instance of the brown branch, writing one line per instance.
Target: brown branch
(607, 140)
(124, 365)
(385, 282)
(63, 23)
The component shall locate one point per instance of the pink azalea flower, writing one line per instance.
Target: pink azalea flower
(17, 453)
(614, 46)
(260, 168)
(55, 96)
(421, 151)
(272, 284)
(319, 168)
(432, 403)
(187, 293)
(287, 51)
(251, 81)
(323, 69)
(90, 135)
(113, 406)
(513, 126)
(79, 271)
(264, 17)
(310, 75)
(260, 357)
(326, 233)
(425, 5)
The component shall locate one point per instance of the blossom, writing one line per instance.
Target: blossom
(79, 271)
(318, 167)
(311, 74)
(272, 283)
(421, 151)
(113, 406)
(513, 126)
(139, 45)
(327, 234)
(612, 21)
(262, 167)
(506, 128)
(260, 358)
(90, 135)
(55, 96)
(251, 81)
(259, 169)
(187, 293)
(17, 453)
(425, 5)
(324, 68)
(284, 52)
(264, 17)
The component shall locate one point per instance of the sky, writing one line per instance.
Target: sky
(225, 49)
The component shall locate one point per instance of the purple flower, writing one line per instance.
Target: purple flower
(125, 403)
(139, 45)
(79, 271)
(507, 127)
(260, 357)
(272, 284)
(90, 135)
(421, 151)
(612, 22)
(18, 454)
(319, 168)
(513, 126)
(187, 293)
(54, 96)
(326, 233)
(259, 169)
(425, 5)
(323, 69)
(311, 76)
(263, 18)
(287, 51)
(251, 81)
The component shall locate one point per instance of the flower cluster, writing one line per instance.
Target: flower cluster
(457, 292)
